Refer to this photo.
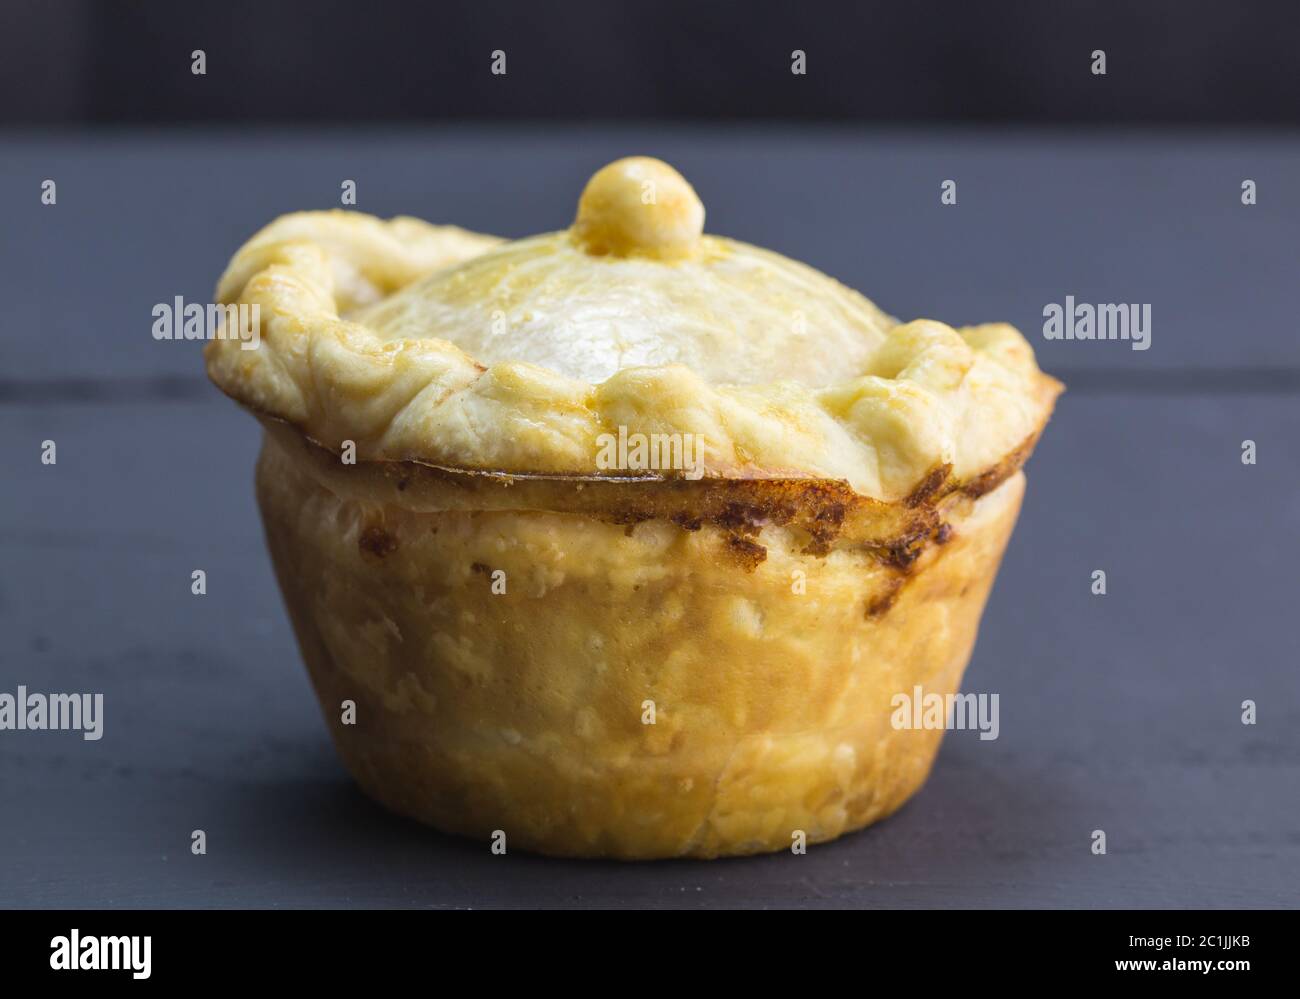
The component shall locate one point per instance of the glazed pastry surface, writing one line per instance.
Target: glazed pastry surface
(428, 343)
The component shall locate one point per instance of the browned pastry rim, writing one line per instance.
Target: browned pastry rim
(827, 513)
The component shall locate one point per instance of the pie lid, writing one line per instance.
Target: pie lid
(635, 282)
(427, 343)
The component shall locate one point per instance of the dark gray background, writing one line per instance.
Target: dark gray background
(1186, 61)
(1118, 712)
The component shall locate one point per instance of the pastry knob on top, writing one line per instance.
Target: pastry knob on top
(639, 207)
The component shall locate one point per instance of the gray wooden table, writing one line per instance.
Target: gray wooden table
(1120, 713)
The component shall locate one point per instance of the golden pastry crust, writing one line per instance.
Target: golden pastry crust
(367, 336)
(504, 611)
(524, 711)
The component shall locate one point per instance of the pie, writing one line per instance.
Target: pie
(621, 541)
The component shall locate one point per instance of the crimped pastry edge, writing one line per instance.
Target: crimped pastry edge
(428, 401)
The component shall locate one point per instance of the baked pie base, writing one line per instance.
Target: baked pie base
(770, 658)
